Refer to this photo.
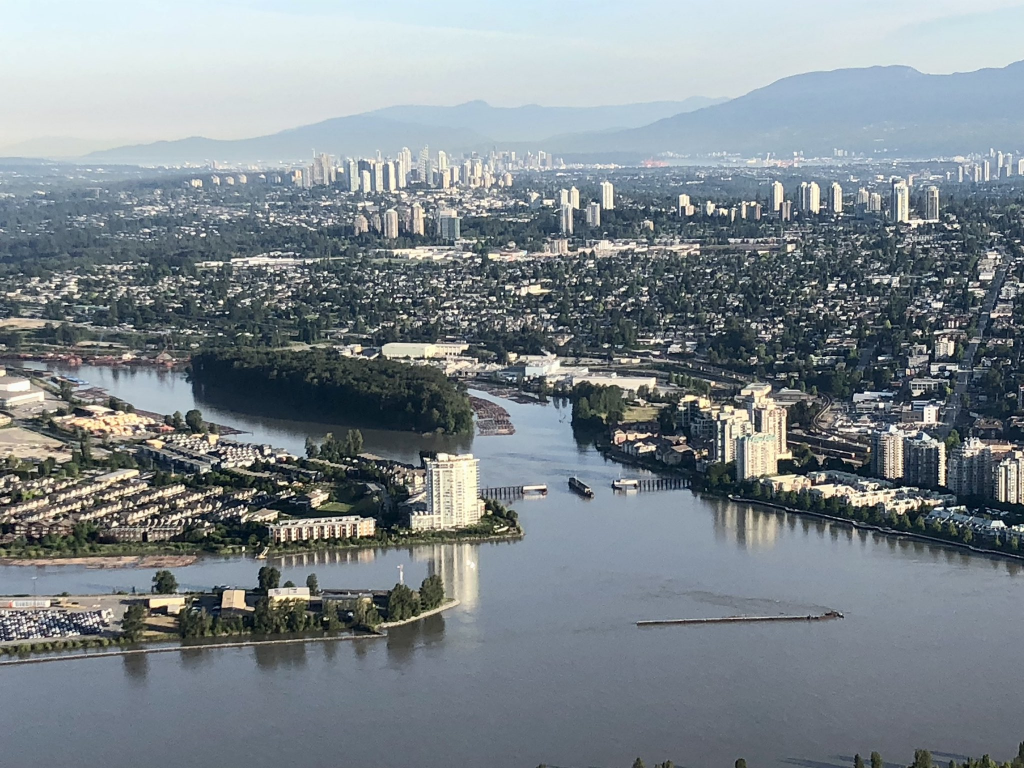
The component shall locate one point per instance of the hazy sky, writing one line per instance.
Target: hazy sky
(144, 70)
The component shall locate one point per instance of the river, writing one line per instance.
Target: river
(542, 663)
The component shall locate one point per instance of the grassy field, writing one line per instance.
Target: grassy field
(334, 508)
(641, 413)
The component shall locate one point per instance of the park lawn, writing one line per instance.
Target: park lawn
(640, 413)
(334, 508)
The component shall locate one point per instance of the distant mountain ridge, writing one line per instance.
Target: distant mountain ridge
(474, 125)
(535, 123)
(896, 109)
(892, 110)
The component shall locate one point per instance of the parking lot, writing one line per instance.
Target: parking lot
(51, 624)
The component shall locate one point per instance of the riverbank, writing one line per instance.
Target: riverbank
(618, 457)
(445, 606)
(193, 647)
(106, 561)
(380, 632)
(194, 554)
(883, 530)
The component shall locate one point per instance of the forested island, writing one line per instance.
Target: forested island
(386, 394)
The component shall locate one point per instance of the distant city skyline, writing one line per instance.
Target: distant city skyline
(144, 70)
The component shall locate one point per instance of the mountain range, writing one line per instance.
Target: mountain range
(892, 110)
(474, 125)
(896, 110)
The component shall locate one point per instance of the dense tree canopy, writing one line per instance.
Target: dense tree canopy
(388, 394)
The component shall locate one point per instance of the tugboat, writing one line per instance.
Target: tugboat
(578, 486)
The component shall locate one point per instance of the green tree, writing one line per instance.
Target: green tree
(353, 442)
(876, 760)
(269, 578)
(164, 583)
(402, 603)
(858, 761)
(638, 763)
(366, 615)
(133, 623)
(312, 584)
(431, 592)
(741, 763)
(312, 449)
(329, 616)
(194, 420)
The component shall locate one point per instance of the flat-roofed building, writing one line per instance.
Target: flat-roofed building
(321, 528)
(415, 350)
(283, 594)
(452, 495)
(15, 391)
(756, 457)
(233, 600)
(169, 604)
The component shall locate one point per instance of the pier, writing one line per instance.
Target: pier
(740, 619)
(652, 484)
(514, 492)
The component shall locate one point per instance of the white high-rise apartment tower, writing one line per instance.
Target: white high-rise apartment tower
(1009, 477)
(574, 198)
(453, 491)
(607, 195)
(775, 196)
(391, 224)
(594, 215)
(417, 219)
(835, 198)
(565, 219)
(730, 424)
(887, 453)
(810, 197)
(899, 202)
(771, 419)
(756, 457)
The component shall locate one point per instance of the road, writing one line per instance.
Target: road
(965, 373)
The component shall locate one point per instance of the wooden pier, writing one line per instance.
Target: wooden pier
(740, 619)
(655, 484)
(514, 492)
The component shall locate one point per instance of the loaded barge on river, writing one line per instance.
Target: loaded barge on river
(577, 486)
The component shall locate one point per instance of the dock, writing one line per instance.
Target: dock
(514, 492)
(740, 619)
(652, 484)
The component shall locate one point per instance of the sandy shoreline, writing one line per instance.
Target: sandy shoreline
(123, 561)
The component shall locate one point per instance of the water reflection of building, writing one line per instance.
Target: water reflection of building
(751, 528)
(456, 564)
(326, 557)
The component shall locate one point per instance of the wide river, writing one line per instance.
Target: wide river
(542, 662)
